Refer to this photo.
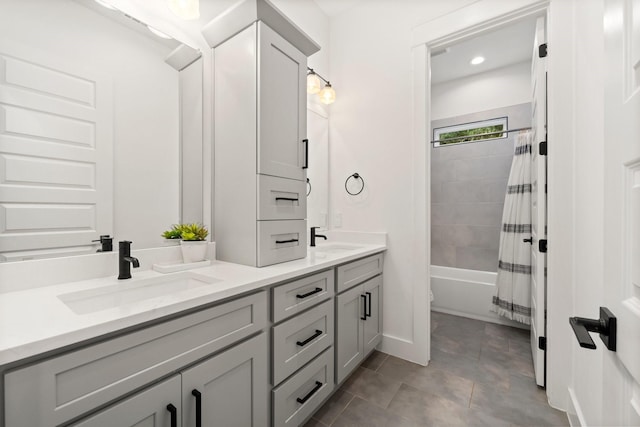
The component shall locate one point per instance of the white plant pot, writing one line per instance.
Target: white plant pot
(193, 250)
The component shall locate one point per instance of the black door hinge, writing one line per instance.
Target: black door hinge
(542, 343)
(542, 246)
(543, 148)
(542, 50)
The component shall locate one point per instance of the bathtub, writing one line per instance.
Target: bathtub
(466, 293)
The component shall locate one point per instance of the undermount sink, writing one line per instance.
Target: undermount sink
(335, 248)
(132, 291)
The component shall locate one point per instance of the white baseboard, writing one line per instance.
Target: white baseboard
(401, 348)
(574, 412)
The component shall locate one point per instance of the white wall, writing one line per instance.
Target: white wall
(371, 133)
(510, 85)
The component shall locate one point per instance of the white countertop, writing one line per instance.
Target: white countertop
(35, 321)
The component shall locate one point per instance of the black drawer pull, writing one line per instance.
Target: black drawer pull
(290, 199)
(311, 338)
(364, 307)
(279, 242)
(369, 305)
(308, 294)
(311, 393)
(198, 397)
(174, 415)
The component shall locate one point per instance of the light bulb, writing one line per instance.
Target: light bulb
(313, 83)
(327, 95)
(185, 9)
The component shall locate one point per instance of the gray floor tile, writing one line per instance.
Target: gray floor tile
(361, 413)
(430, 409)
(372, 386)
(375, 360)
(333, 407)
(314, 423)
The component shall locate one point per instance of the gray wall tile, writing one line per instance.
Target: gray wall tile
(468, 185)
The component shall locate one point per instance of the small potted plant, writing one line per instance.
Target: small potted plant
(192, 240)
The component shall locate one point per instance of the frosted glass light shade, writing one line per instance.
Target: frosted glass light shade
(313, 83)
(185, 9)
(327, 95)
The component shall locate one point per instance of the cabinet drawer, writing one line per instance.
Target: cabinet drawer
(312, 384)
(300, 339)
(294, 297)
(69, 385)
(281, 241)
(356, 272)
(281, 198)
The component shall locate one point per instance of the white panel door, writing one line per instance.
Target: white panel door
(621, 287)
(282, 103)
(538, 202)
(56, 155)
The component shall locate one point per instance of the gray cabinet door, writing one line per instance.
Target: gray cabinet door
(233, 387)
(349, 340)
(373, 325)
(145, 409)
(282, 106)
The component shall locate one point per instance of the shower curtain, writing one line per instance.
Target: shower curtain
(513, 285)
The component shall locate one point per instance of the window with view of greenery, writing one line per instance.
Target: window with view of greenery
(468, 132)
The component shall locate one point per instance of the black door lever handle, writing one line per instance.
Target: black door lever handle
(606, 326)
(529, 240)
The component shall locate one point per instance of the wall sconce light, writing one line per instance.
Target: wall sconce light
(327, 94)
(185, 9)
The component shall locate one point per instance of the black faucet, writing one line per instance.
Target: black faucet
(314, 235)
(125, 260)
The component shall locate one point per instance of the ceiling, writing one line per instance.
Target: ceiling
(335, 7)
(506, 46)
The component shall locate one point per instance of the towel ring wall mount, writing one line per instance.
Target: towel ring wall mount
(357, 177)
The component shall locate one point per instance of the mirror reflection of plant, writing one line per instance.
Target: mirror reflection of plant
(189, 232)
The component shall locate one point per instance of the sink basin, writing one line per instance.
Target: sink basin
(133, 291)
(336, 248)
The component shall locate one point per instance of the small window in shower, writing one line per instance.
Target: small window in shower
(470, 132)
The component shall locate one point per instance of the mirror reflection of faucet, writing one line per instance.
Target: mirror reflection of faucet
(314, 235)
(125, 260)
(107, 243)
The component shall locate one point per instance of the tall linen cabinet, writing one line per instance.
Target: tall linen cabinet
(260, 145)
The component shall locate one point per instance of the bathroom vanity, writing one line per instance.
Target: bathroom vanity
(235, 344)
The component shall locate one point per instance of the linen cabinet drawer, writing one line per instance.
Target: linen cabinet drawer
(64, 387)
(294, 297)
(300, 339)
(299, 396)
(281, 198)
(281, 241)
(349, 275)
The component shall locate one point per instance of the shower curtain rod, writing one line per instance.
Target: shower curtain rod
(480, 134)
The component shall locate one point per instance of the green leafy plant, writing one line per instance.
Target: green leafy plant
(175, 232)
(194, 231)
(191, 232)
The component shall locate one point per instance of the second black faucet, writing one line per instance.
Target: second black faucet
(125, 260)
(314, 235)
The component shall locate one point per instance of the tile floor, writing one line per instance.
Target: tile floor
(480, 374)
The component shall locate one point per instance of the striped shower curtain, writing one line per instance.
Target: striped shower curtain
(513, 286)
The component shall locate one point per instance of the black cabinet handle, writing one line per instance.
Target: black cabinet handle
(278, 242)
(311, 338)
(308, 294)
(306, 153)
(174, 415)
(529, 240)
(368, 305)
(311, 393)
(364, 307)
(289, 199)
(198, 397)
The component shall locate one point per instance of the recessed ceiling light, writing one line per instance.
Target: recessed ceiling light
(105, 4)
(158, 32)
(477, 60)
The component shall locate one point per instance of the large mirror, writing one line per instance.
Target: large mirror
(96, 115)
(318, 172)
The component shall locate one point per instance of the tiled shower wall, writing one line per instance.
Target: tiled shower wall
(468, 185)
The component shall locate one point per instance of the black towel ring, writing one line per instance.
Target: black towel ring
(355, 176)
(308, 187)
